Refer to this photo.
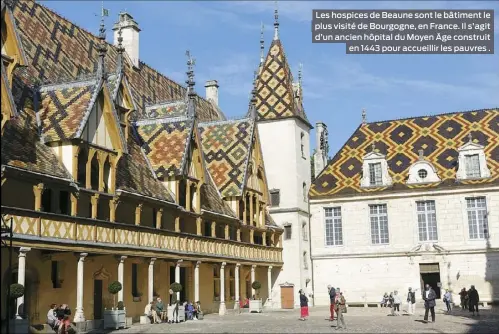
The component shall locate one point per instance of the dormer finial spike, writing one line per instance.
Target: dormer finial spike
(364, 116)
(253, 100)
(373, 147)
(470, 137)
(190, 73)
(276, 22)
(102, 47)
(300, 72)
(421, 154)
(261, 43)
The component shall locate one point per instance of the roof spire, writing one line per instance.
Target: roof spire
(253, 100)
(470, 137)
(421, 154)
(276, 22)
(190, 83)
(102, 47)
(261, 43)
(364, 116)
(373, 147)
(120, 49)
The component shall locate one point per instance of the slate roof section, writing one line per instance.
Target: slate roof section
(63, 108)
(35, 157)
(275, 95)
(439, 136)
(60, 51)
(165, 143)
(226, 147)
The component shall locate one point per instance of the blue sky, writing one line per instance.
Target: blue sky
(224, 39)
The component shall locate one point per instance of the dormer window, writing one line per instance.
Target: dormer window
(472, 161)
(422, 171)
(375, 174)
(375, 170)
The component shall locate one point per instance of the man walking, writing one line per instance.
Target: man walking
(411, 302)
(341, 308)
(473, 300)
(429, 297)
(332, 299)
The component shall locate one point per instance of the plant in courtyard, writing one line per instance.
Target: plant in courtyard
(175, 287)
(114, 288)
(256, 285)
(121, 305)
(16, 290)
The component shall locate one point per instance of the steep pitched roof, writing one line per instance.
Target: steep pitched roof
(63, 108)
(59, 51)
(212, 200)
(275, 94)
(11, 24)
(439, 136)
(165, 142)
(226, 146)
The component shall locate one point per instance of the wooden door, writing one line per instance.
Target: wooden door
(98, 299)
(287, 297)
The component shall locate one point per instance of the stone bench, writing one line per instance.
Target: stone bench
(364, 304)
(144, 320)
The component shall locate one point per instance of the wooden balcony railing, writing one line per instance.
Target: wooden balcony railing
(84, 231)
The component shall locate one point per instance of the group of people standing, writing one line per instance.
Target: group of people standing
(337, 304)
(470, 300)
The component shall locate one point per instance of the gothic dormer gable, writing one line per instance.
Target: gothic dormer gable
(375, 170)
(472, 162)
(422, 171)
(12, 49)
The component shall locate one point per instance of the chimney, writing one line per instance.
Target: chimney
(130, 34)
(212, 91)
(322, 148)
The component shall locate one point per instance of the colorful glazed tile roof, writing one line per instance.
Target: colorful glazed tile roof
(35, 157)
(165, 144)
(135, 175)
(58, 51)
(226, 147)
(63, 108)
(275, 96)
(438, 136)
(167, 109)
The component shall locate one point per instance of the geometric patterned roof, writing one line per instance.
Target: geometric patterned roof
(165, 144)
(275, 94)
(167, 109)
(63, 107)
(439, 136)
(227, 147)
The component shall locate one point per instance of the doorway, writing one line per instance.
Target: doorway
(98, 299)
(287, 297)
(430, 274)
(183, 282)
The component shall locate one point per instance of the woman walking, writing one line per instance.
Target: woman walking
(448, 300)
(303, 306)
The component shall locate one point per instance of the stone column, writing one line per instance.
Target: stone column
(252, 212)
(222, 310)
(21, 278)
(252, 279)
(269, 284)
(257, 215)
(188, 196)
(38, 191)
(196, 281)
(236, 282)
(79, 315)
(121, 266)
(150, 282)
(177, 276)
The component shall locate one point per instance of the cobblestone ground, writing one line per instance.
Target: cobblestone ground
(359, 320)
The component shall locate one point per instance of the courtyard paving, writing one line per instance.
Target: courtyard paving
(359, 320)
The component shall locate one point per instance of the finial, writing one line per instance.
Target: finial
(470, 137)
(190, 73)
(120, 49)
(364, 116)
(253, 100)
(300, 71)
(373, 147)
(276, 22)
(102, 48)
(261, 43)
(421, 154)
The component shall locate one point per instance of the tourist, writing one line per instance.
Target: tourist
(197, 311)
(384, 300)
(189, 311)
(390, 303)
(52, 320)
(447, 299)
(429, 297)
(396, 303)
(63, 315)
(160, 310)
(464, 298)
(411, 301)
(332, 296)
(149, 312)
(473, 299)
(303, 306)
(175, 303)
(341, 308)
